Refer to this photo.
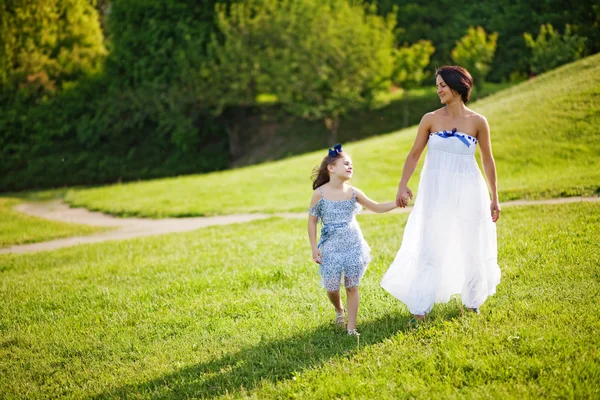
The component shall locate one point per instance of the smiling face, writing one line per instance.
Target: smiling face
(341, 168)
(444, 92)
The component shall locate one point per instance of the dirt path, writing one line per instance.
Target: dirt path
(126, 228)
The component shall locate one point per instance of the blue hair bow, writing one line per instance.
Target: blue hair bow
(337, 149)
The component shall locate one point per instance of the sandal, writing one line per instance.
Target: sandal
(415, 321)
(340, 318)
(353, 332)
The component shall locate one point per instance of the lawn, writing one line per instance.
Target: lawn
(545, 139)
(236, 312)
(17, 228)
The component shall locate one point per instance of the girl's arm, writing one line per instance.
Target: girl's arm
(412, 159)
(489, 165)
(373, 205)
(312, 230)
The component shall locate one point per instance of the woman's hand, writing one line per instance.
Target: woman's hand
(404, 193)
(317, 257)
(495, 210)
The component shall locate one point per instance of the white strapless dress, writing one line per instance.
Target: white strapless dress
(449, 243)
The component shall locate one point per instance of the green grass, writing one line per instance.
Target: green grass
(17, 228)
(544, 132)
(236, 311)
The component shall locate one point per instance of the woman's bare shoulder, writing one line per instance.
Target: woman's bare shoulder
(476, 116)
(430, 117)
(439, 111)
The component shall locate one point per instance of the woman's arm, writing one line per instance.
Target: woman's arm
(373, 205)
(413, 159)
(489, 165)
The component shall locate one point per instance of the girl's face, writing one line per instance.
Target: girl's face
(342, 168)
(446, 94)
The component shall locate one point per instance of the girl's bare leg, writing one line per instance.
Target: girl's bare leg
(352, 300)
(336, 300)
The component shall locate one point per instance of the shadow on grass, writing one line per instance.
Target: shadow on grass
(269, 361)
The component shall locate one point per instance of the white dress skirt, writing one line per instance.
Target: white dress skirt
(449, 243)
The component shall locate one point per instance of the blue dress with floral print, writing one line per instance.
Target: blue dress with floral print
(343, 247)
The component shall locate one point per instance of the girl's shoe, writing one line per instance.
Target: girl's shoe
(353, 332)
(474, 310)
(340, 318)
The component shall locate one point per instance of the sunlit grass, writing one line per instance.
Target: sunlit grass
(17, 228)
(237, 311)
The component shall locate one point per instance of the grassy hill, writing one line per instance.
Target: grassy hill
(237, 312)
(545, 139)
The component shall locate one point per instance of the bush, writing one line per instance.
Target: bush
(91, 134)
(475, 52)
(550, 49)
(48, 43)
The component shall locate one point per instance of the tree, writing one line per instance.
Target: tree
(230, 75)
(321, 59)
(475, 52)
(347, 59)
(146, 69)
(442, 22)
(48, 43)
(409, 68)
(550, 49)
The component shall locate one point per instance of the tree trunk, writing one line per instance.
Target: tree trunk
(332, 124)
(405, 110)
(233, 132)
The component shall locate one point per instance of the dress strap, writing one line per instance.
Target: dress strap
(353, 194)
(320, 191)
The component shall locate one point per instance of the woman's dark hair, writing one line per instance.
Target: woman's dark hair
(320, 174)
(458, 79)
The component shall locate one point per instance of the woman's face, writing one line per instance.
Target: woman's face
(446, 94)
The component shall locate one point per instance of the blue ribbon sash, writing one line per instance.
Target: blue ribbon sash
(445, 134)
(328, 229)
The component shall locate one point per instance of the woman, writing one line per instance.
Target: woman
(449, 243)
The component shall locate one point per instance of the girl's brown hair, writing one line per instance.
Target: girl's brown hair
(320, 174)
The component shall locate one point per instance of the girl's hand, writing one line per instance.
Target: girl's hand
(404, 193)
(317, 257)
(495, 209)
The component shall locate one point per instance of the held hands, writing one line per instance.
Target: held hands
(404, 193)
(495, 210)
(317, 257)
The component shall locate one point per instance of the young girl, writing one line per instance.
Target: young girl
(341, 250)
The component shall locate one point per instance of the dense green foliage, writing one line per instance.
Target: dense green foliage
(47, 44)
(410, 63)
(106, 91)
(299, 52)
(128, 121)
(475, 52)
(444, 22)
(550, 49)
